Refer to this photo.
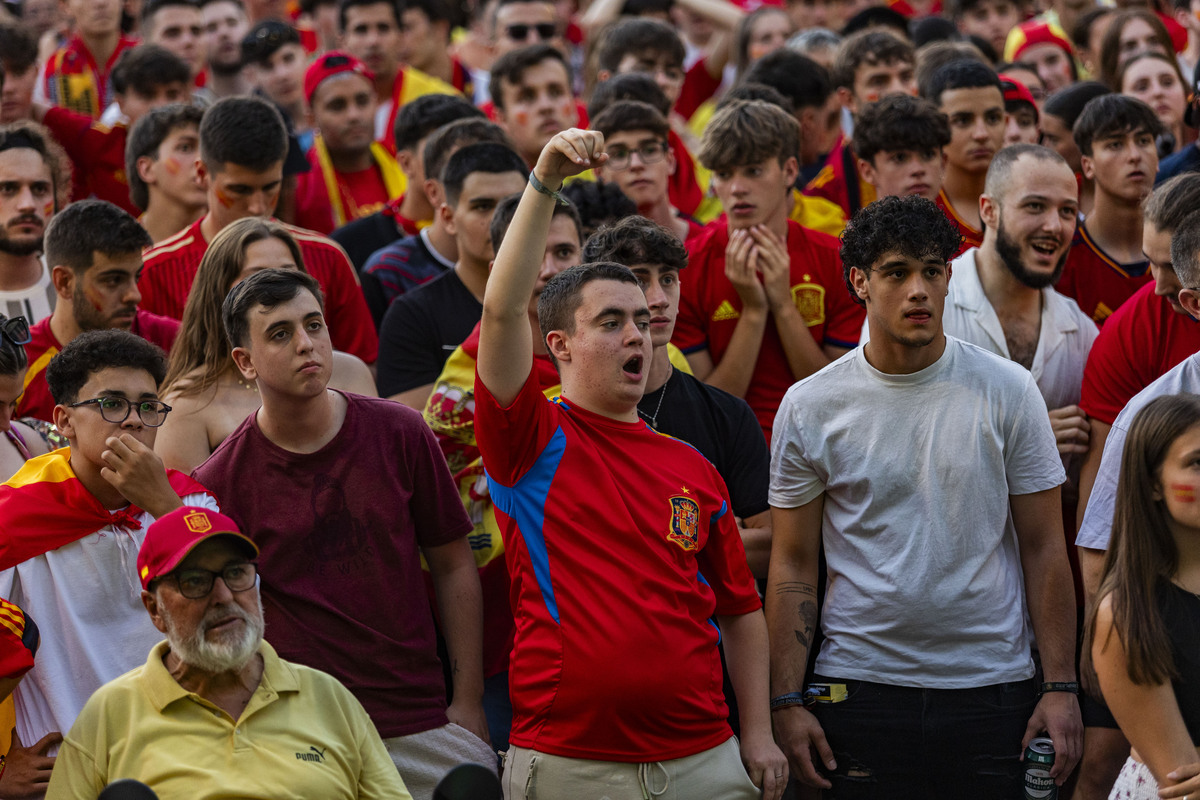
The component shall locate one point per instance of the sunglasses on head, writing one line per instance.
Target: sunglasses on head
(16, 330)
(520, 32)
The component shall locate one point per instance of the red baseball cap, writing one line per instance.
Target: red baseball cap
(1017, 92)
(172, 536)
(335, 62)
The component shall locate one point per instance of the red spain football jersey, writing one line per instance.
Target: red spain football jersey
(1096, 281)
(839, 181)
(97, 154)
(709, 308)
(1142, 340)
(74, 80)
(36, 400)
(971, 237)
(621, 548)
(171, 267)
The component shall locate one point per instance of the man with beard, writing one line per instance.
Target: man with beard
(225, 26)
(214, 686)
(94, 252)
(1001, 297)
(33, 169)
(939, 523)
(1116, 137)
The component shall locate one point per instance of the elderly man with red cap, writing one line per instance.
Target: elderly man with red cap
(214, 712)
(352, 175)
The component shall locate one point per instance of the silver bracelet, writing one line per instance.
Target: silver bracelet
(538, 186)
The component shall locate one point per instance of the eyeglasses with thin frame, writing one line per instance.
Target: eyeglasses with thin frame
(195, 584)
(116, 409)
(650, 152)
(519, 32)
(16, 330)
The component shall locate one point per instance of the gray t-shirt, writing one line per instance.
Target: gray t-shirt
(1096, 529)
(925, 582)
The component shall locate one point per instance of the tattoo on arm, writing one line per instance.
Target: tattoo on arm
(806, 611)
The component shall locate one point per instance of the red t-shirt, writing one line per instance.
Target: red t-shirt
(1142, 340)
(74, 80)
(171, 267)
(971, 237)
(615, 654)
(1097, 282)
(838, 176)
(698, 87)
(362, 193)
(97, 155)
(36, 401)
(683, 190)
(339, 532)
(709, 308)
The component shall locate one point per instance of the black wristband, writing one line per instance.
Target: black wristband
(785, 700)
(540, 187)
(1071, 687)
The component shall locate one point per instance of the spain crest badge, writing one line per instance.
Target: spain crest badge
(685, 522)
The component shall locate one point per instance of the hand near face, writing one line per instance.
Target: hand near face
(569, 153)
(774, 265)
(741, 267)
(138, 474)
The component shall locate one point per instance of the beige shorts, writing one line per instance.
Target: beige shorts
(717, 773)
(424, 758)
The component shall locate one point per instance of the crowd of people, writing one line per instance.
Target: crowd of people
(637, 398)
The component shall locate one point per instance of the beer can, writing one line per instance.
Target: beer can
(1039, 758)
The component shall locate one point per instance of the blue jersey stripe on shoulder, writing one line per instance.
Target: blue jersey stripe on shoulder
(525, 503)
(716, 516)
(700, 577)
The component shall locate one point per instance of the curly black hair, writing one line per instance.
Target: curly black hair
(93, 351)
(910, 226)
(598, 204)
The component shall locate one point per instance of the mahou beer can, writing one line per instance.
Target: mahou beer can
(1039, 758)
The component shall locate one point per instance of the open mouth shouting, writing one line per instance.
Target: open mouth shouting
(633, 368)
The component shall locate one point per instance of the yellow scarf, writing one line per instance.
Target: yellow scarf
(394, 181)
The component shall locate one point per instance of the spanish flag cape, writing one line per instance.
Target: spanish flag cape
(394, 181)
(45, 506)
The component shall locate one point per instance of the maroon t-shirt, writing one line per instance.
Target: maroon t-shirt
(339, 531)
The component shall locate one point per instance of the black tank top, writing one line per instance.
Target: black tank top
(1181, 616)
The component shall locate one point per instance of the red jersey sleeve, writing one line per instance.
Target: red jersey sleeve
(698, 86)
(704, 255)
(512, 439)
(18, 641)
(843, 316)
(723, 565)
(1112, 374)
(70, 128)
(350, 324)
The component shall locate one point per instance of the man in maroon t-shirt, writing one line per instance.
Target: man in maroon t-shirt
(344, 495)
(94, 251)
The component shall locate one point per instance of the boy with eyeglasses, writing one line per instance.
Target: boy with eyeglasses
(71, 523)
(94, 252)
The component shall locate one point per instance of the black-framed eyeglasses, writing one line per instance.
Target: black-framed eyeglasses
(651, 152)
(520, 32)
(116, 409)
(195, 584)
(16, 330)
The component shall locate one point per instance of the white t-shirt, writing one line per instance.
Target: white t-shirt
(34, 303)
(86, 600)
(1096, 529)
(925, 583)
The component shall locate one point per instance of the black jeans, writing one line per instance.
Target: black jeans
(898, 742)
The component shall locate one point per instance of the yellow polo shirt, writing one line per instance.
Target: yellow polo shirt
(303, 735)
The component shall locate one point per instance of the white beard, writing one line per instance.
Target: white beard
(228, 653)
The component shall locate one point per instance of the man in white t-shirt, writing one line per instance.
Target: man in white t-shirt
(71, 523)
(32, 165)
(927, 469)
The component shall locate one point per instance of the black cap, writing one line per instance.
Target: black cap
(265, 39)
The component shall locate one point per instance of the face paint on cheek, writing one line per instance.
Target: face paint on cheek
(224, 199)
(48, 210)
(90, 294)
(1183, 492)
(172, 165)
(521, 117)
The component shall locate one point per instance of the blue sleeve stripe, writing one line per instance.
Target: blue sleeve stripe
(840, 343)
(711, 621)
(526, 504)
(713, 519)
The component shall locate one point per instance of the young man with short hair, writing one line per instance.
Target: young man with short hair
(407, 263)
(145, 77)
(243, 142)
(373, 32)
(422, 327)
(275, 63)
(94, 252)
(935, 658)
(77, 76)
(1116, 139)
(989, 20)
(350, 176)
(969, 94)
(178, 27)
(159, 161)
(414, 210)
(357, 483)
(71, 522)
(225, 26)
(869, 66)
(531, 89)
(606, 721)
(426, 27)
(35, 173)
(19, 60)
(641, 162)
(762, 305)
(898, 141)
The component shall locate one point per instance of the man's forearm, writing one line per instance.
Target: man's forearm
(1049, 590)
(804, 355)
(745, 637)
(460, 602)
(735, 370)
